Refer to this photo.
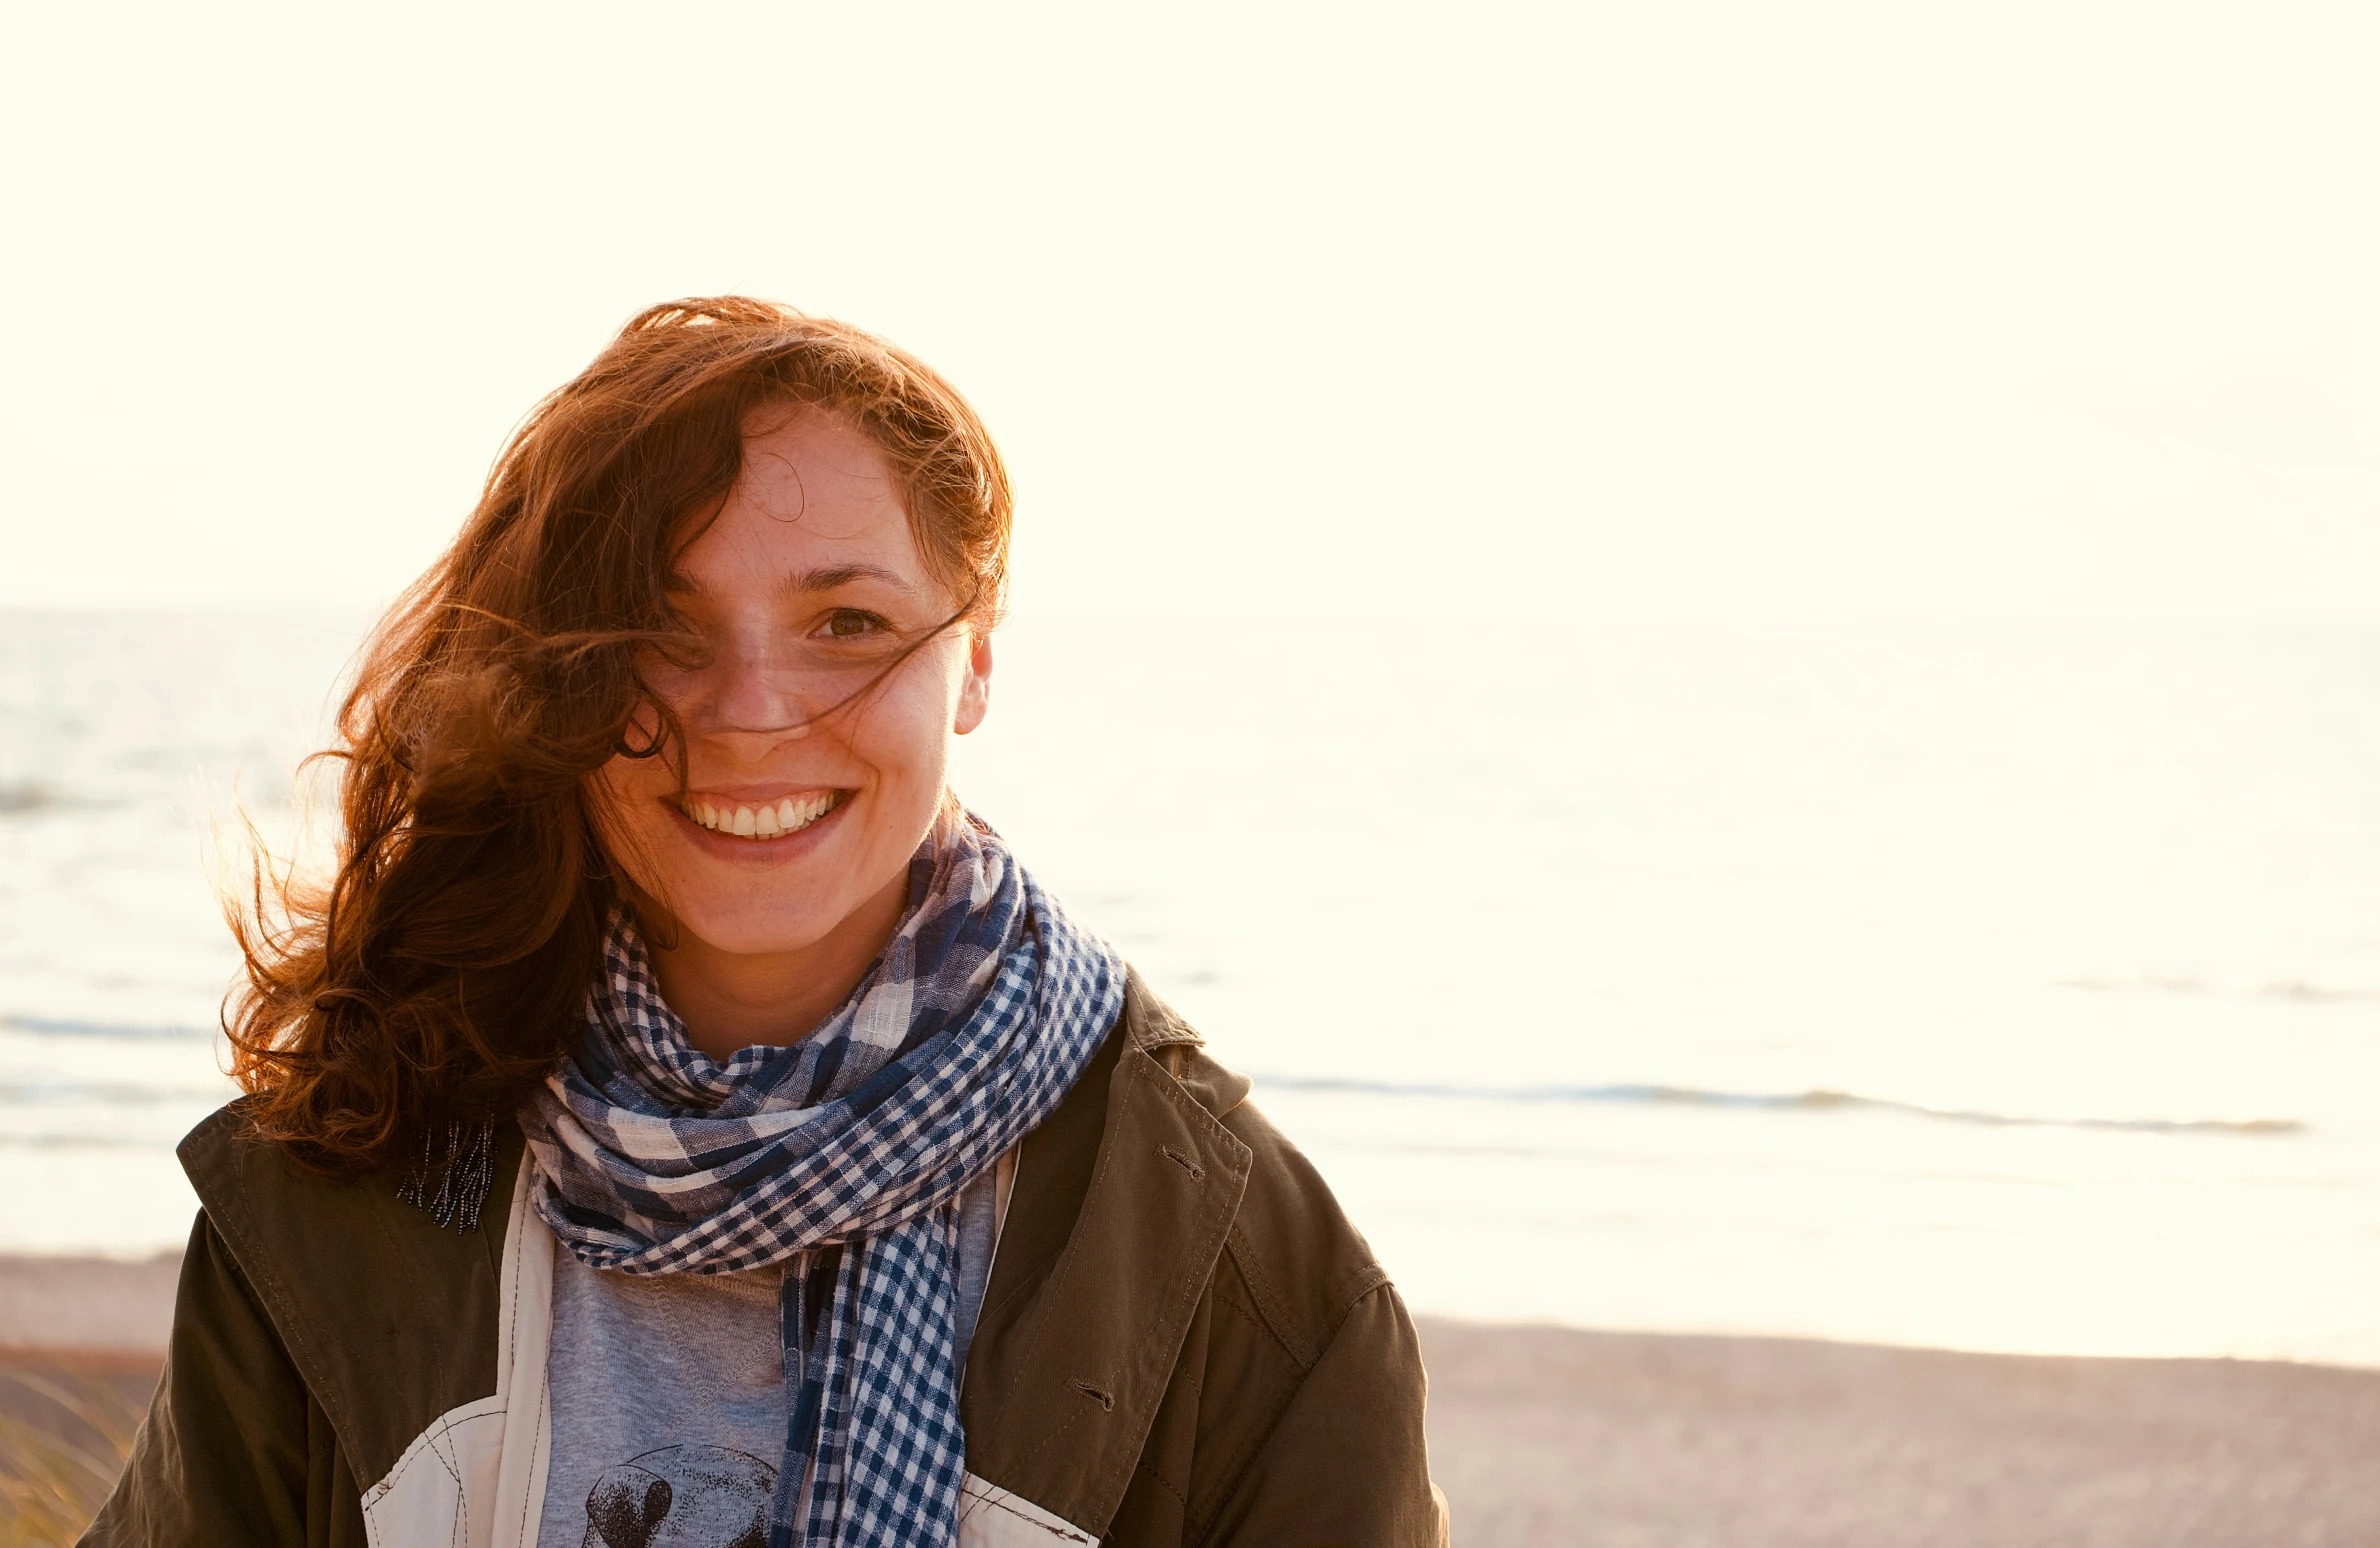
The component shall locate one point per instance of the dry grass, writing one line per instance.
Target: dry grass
(63, 1440)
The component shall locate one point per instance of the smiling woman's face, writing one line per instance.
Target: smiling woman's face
(807, 789)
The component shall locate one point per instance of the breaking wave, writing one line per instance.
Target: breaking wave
(1813, 1101)
(61, 1027)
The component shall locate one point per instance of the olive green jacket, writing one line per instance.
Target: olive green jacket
(1183, 1342)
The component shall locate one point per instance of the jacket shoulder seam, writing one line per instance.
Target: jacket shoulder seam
(1269, 1303)
(1257, 1320)
(1234, 1463)
(1199, 1530)
(1370, 1281)
(1272, 1306)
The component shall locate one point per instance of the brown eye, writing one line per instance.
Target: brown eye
(847, 623)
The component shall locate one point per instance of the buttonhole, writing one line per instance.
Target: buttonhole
(1106, 1400)
(1184, 1162)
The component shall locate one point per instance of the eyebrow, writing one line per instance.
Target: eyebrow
(832, 577)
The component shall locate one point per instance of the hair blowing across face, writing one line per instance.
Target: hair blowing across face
(443, 967)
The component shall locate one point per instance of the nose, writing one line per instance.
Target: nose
(752, 688)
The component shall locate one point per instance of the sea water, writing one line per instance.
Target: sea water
(2001, 989)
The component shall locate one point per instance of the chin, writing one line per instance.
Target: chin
(757, 931)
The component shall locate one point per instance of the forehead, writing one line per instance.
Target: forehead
(813, 493)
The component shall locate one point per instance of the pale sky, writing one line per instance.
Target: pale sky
(2058, 312)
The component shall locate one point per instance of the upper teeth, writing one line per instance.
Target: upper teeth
(790, 815)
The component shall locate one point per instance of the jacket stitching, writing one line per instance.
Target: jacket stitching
(428, 1442)
(1143, 1469)
(1055, 1277)
(1238, 1470)
(1256, 1320)
(1371, 1279)
(459, 1526)
(510, 1353)
(1072, 1535)
(518, 1248)
(1177, 1094)
(1268, 1300)
(288, 1325)
(537, 1445)
(1118, 1474)
(1055, 1280)
(430, 1438)
(1064, 1429)
(1171, 1028)
(1018, 1295)
(230, 1168)
(1233, 1466)
(1193, 1283)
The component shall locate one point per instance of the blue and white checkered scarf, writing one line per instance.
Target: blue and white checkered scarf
(842, 1157)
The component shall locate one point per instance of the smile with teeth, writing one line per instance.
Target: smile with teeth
(760, 821)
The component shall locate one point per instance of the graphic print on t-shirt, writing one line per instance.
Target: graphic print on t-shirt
(682, 1497)
(668, 1394)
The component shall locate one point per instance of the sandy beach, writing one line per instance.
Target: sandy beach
(1553, 1436)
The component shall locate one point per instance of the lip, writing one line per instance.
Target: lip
(754, 795)
(760, 852)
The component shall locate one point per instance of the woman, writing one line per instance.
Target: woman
(678, 1121)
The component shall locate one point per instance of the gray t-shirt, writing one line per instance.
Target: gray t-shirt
(668, 1393)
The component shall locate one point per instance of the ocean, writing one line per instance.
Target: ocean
(2009, 989)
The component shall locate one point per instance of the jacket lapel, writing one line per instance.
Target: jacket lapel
(1079, 1340)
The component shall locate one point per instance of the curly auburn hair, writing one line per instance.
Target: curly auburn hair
(442, 968)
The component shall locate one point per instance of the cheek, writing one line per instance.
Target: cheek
(905, 736)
